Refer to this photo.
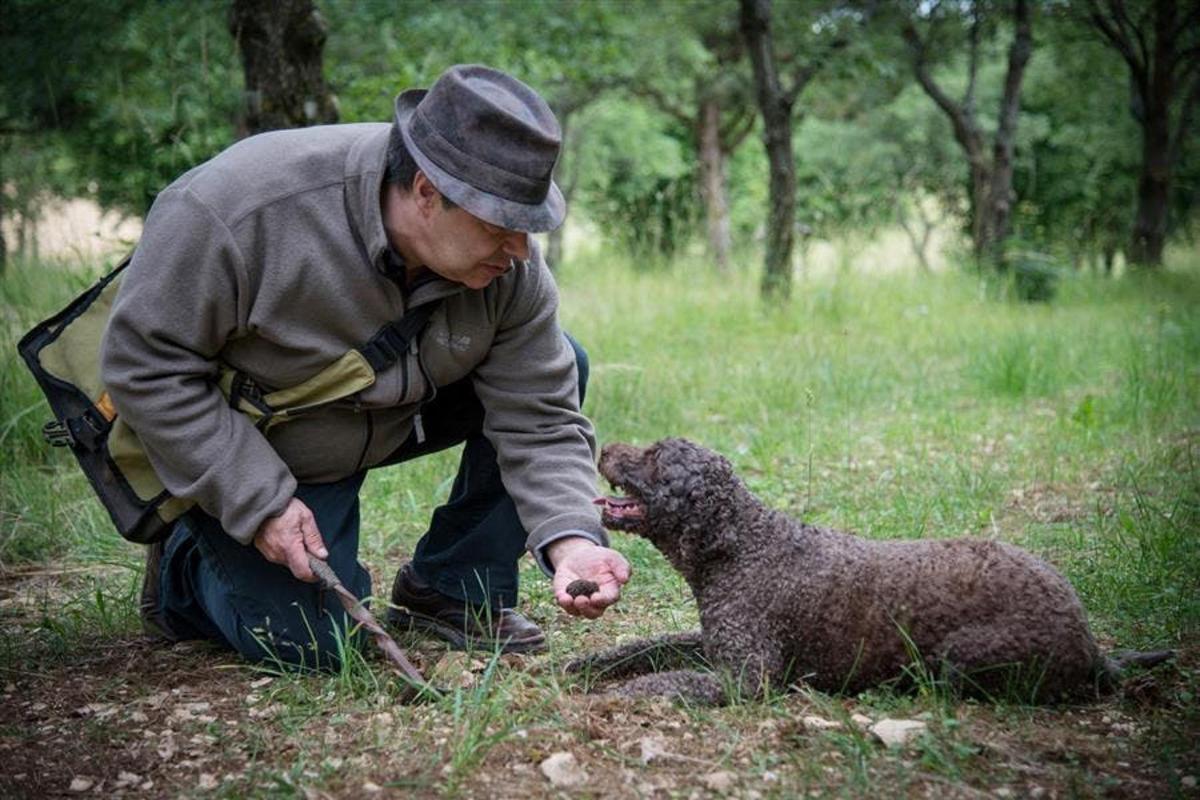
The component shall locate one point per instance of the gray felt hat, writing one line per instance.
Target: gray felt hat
(487, 142)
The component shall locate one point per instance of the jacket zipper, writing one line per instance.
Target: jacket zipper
(362, 458)
(427, 394)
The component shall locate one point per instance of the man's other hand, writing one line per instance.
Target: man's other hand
(575, 558)
(290, 538)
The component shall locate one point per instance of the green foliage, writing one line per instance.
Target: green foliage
(640, 185)
(112, 99)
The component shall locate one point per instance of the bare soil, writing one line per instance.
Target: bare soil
(121, 715)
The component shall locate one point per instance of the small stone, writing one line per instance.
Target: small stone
(563, 770)
(582, 586)
(371, 787)
(208, 781)
(1004, 791)
(814, 723)
(81, 784)
(127, 779)
(897, 732)
(720, 781)
(861, 721)
(652, 748)
(1188, 781)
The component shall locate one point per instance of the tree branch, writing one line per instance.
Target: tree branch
(973, 60)
(1118, 40)
(1126, 24)
(1018, 57)
(665, 104)
(1184, 124)
(732, 135)
(965, 130)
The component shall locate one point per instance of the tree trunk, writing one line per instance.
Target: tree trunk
(566, 175)
(712, 183)
(1154, 182)
(1001, 196)
(1158, 42)
(281, 44)
(992, 195)
(776, 110)
(1153, 194)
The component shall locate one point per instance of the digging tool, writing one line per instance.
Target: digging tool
(359, 613)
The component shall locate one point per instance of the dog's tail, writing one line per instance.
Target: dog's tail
(1116, 665)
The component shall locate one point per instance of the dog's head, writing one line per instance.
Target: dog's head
(679, 495)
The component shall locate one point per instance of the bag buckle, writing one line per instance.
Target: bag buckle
(57, 434)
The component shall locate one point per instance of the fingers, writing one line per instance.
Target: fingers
(289, 538)
(297, 561)
(313, 542)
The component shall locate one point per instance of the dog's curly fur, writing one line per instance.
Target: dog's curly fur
(783, 602)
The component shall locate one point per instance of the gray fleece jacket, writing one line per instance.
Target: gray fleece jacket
(271, 258)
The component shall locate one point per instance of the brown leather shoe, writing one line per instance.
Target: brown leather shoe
(424, 609)
(153, 623)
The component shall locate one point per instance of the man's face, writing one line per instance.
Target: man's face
(465, 249)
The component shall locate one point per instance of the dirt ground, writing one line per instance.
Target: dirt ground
(120, 715)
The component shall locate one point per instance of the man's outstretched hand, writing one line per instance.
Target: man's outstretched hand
(289, 538)
(575, 558)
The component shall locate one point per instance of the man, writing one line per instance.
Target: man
(287, 251)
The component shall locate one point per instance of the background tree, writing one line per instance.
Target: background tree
(778, 83)
(109, 100)
(281, 43)
(696, 76)
(992, 196)
(1159, 40)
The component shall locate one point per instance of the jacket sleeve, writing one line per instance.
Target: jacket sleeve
(185, 293)
(529, 389)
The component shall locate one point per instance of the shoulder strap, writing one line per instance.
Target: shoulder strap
(395, 339)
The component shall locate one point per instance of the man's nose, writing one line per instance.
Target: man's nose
(516, 245)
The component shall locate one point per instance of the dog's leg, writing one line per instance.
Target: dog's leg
(700, 688)
(1003, 661)
(653, 654)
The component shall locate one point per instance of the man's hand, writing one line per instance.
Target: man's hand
(289, 538)
(575, 558)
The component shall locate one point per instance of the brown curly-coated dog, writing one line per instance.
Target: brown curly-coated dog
(783, 602)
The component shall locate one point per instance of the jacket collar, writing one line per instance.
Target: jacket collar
(365, 167)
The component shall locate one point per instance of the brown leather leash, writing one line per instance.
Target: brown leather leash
(417, 686)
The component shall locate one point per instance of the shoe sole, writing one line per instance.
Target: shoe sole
(457, 639)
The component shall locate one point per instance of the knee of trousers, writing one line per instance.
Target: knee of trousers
(581, 364)
(308, 633)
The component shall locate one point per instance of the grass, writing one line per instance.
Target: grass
(898, 406)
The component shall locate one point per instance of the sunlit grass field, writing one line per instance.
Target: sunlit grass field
(893, 405)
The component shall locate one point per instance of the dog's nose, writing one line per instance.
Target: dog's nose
(616, 458)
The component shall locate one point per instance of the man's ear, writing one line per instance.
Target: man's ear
(425, 195)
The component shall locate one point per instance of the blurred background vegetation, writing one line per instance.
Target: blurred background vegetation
(1017, 136)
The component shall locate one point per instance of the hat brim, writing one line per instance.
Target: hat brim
(510, 214)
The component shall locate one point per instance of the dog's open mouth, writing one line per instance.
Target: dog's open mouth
(619, 512)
